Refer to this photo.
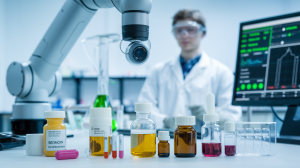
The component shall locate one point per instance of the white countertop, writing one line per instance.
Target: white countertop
(287, 156)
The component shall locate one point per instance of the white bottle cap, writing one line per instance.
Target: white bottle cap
(100, 115)
(210, 103)
(143, 107)
(163, 135)
(55, 114)
(185, 120)
(34, 144)
(229, 126)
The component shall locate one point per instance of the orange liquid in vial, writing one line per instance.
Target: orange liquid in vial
(97, 145)
(143, 143)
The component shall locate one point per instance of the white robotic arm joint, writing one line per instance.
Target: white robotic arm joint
(34, 81)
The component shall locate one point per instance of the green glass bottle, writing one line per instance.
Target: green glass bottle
(103, 101)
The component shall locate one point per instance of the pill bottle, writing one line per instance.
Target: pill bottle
(163, 145)
(100, 126)
(230, 139)
(185, 137)
(211, 131)
(54, 132)
(143, 133)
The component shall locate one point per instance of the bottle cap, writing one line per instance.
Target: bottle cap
(55, 114)
(229, 126)
(185, 120)
(163, 135)
(143, 107)
(34, 144)
(100, 115)
(66, 154)
(210, 103)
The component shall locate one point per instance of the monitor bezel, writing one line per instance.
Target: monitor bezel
(268, 102)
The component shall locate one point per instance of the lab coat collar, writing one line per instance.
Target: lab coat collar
(203, 62)
(198, 68)
(177, 70)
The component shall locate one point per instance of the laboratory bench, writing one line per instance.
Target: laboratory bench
(287, 156)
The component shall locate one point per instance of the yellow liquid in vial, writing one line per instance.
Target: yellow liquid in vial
(142, 143)
(97, 145)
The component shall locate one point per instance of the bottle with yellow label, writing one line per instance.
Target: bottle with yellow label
(54, 132)
(100, 127)
(143, 133)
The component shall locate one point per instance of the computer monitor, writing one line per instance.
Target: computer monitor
(268, 62)
(268, 66)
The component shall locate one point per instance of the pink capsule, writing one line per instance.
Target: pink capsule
(66, 154)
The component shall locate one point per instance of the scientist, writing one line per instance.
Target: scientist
(179, 87)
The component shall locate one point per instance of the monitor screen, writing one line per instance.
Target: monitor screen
(268, 65)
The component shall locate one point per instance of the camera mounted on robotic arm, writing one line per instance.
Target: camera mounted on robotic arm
(135, 28)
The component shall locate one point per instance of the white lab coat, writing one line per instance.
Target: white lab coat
(171, 95)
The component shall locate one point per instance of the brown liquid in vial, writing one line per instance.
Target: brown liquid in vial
(185, 138)
(163, 149)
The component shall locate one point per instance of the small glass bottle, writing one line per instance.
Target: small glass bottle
(143, 133)
(163, 145)
(54, 132)
(185, 137)
(230, 139)
(211, 131)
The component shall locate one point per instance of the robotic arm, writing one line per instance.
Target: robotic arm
(34, 81)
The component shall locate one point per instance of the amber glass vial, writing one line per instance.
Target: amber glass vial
(185, 137)
(163, 145)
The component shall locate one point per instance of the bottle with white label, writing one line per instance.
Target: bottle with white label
(100, 127)
(54, 132)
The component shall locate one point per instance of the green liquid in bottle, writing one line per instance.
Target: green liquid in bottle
(103, 101)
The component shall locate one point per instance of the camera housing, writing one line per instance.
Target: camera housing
(137, 53)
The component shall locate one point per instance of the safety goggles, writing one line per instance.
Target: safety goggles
(187, 28)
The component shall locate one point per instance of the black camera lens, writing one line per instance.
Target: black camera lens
(139, 53)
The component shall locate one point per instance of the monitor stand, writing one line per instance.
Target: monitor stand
(290, 130)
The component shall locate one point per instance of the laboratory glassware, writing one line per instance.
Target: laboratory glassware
(114, 146)
(101, 65)
(256, 138)
(230, 139)
(163, 145)
(143, 133)
(211, 131)
(185, 137)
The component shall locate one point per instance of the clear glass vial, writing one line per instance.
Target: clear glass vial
(211, 131)
(143, 133)
(230, 139)
(163, 145)
(185, 137)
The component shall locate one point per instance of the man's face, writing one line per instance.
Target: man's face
(188, 37)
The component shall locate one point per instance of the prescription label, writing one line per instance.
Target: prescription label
(99, 130)
(55, 140)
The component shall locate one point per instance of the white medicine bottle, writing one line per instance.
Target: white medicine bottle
(143, 133)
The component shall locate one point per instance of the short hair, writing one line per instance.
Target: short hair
(194, 15)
